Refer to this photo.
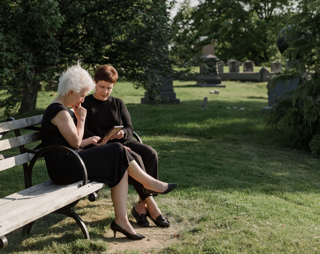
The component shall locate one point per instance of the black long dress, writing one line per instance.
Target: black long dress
(106, 163)
(102, 116)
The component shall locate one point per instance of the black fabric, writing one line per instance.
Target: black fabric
(114, 112)
(106, 163)
(111, 112)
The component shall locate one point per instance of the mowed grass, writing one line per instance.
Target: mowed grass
(241, 188)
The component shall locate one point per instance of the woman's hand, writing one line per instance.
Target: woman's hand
(90, 141)
(79, 111)
(127, 148)
(94, 140)
(118, 135)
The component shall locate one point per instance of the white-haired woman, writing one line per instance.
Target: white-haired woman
(106, 163)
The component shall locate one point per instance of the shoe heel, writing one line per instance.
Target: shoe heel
(114, 233)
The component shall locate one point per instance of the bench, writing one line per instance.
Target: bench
(22, 208)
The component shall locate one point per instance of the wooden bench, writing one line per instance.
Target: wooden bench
(22, 208)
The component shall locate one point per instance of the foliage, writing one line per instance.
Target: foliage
(242, 29)
(299, 115)
(39, 39)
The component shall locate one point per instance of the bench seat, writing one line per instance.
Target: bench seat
(37, 201)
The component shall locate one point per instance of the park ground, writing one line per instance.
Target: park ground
(242, 189)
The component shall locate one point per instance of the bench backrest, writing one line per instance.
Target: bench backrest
(24, 155)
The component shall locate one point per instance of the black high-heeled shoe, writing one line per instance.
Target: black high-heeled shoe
(141, 219)
(115, 227)
(171, 186)
(160, 221)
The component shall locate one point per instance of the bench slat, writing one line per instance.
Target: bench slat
(21, 123)
(19, 141)
(15, 161)
(43, 205)
(24, 201)
(27, 191)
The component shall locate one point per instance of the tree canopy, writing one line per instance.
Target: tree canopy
(242, 29)
(39, 39)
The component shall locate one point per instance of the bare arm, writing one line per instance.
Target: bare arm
(73, 134)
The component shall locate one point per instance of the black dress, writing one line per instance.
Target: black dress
(102, 116)
(106, 163)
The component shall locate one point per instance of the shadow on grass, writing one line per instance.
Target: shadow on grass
(256, 98)
(217, 121)
(200, 164)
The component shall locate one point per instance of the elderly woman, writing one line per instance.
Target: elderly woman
(104, 112)
(110, 163)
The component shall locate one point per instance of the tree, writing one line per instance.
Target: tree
(298, 116)
(41, 38)
(243, 29)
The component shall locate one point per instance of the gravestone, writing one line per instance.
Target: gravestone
(209, 76)
(204, 103)
(221, 67)
(276, 67)
(233, 65)
(264, 74)
(248, 66)
(167, 94)
(280, 90)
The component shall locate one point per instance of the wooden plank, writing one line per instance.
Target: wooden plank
(15, 161)
(27, 191)
(44, 192)
(21, 123)
(42, 195)
(19, 141)
(47, 205)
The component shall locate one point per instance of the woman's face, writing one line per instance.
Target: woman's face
(77, 98)
(103, 90)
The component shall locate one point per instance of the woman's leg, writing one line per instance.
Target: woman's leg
(147, 181)
(119, 195)
(150, 204)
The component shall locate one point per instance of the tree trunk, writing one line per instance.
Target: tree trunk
(29, 96)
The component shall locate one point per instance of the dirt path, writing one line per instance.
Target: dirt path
(156, 238)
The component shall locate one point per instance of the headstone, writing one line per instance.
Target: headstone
(167, 95)
(234, 66)
(220, 66)
(209, 76)
(279, 91)
(248, 66)
(264, 74)
(204, 103)
(276, 67)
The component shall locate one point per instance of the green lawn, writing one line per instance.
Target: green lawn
(241, 188)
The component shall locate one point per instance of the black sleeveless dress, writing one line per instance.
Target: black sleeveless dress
(106, 163)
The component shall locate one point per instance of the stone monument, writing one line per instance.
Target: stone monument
(209, 76)
(280, 90)
(276, 67)
(167, 94)
(233, 65)
(248, 66)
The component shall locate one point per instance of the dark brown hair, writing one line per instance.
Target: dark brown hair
(106, 73)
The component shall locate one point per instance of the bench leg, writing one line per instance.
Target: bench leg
(27, 228)
(81, 224)
(3, 242)
(69, 211)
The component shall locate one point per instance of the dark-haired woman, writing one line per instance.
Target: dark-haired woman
(105, 111)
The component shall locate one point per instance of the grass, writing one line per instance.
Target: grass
(241, 189)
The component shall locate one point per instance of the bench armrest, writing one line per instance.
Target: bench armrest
(136, 136)
(57, 147)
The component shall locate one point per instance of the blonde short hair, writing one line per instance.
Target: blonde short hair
(75, 78)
